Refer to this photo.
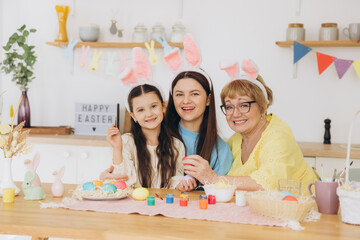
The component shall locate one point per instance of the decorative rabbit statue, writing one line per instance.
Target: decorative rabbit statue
(57, 187)
(32, 166)
(30, 192)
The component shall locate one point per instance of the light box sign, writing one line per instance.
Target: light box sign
(94, 118)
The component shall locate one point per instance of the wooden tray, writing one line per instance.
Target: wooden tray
(62, 130)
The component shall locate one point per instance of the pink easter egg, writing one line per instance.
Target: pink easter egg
(120, 185)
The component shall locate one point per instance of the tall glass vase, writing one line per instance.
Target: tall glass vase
(6, 178)
(24, 110)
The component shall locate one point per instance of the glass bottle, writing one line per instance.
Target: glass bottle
(157, 31)
(140, 33)
(178, 32)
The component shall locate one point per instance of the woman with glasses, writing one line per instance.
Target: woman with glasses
(263, 146)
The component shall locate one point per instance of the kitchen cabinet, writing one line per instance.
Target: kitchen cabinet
(82, 163)
(311, 161)
(329, 164)
(338, 43)
(111, 44)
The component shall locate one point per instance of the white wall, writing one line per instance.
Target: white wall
(224, 29)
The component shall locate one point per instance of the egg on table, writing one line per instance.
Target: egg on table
(97, 183)
(89, 186)
(120, 185)
(108, 187)
(140, 193)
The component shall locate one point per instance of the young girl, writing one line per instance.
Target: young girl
(148, 155)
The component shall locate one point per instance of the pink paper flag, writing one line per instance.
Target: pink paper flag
(342, 65)
(356, 65)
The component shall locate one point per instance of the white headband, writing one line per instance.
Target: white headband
(250, 73)
(198, 70)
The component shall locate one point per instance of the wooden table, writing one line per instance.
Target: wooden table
(26, 218)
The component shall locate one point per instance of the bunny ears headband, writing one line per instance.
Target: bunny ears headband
(250, 73)
(173, 60)
(138, 74)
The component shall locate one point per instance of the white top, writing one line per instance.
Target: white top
(129, 164)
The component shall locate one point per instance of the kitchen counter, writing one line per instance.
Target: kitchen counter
(309, 149)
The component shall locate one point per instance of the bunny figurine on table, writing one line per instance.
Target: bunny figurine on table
(32, 166)
(57, 187)
(30, 192)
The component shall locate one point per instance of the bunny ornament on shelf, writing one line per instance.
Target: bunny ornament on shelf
(31, 183)
(57, 188)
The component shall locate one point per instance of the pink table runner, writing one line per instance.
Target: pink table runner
(222, 212)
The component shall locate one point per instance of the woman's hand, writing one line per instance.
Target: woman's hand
(186, 185)
(114, 137)
(199, 168)
(108, 175)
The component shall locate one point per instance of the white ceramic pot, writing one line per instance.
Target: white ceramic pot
(89, 33)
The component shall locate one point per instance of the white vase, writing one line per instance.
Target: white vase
(7, 180)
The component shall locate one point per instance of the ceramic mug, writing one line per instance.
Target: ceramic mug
(326, 198)
(353, 31)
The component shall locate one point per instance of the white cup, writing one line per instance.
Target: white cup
(240, 198)
(353, 31)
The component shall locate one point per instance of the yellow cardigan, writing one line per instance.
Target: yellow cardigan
(276, 156)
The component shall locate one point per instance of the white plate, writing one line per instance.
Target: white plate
(103, 198)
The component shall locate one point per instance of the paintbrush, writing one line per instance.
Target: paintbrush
(342, 174)
(316, 174)
(334, 175)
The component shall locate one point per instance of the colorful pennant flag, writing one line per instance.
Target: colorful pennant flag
(300, 51)
(342, 65)
(324, 61)
(356, 65)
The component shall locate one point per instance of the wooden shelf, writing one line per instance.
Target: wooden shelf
(338, 43)
(111, 44)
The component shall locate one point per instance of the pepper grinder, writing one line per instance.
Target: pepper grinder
(327, 131)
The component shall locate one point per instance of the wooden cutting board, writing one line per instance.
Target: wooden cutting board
(61, 130)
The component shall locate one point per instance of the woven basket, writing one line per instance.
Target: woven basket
(269, 204)
(349, 198)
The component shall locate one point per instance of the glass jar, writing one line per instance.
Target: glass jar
(140, 33)
(157, 31)
(178, 33)
(295, 32)
(329, 32)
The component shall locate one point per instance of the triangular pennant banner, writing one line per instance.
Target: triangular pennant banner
(356, 65)
(324, 61)
(342, 65)
(300, 51)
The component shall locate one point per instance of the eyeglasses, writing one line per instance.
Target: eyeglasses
(243, 107)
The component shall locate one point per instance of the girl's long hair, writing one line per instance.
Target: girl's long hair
(165, 151)
(207, 138)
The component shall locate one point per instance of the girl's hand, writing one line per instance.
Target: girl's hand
(114, 137)
(186, 185)
(199, 168)
(108, 175)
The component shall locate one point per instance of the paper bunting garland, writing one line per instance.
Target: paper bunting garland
(300, 51)
(342, 65)
(324, 61)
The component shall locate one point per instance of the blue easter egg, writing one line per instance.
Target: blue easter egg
(89, 186)
(284, 194)
(109, 187)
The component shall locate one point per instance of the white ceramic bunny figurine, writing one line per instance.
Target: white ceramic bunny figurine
(57, 187)
(32, 166)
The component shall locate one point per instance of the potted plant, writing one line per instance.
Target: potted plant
(19, 61)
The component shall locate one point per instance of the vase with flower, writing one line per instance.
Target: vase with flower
(13, 146)
(19, 61)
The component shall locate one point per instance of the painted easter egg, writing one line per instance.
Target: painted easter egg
(289, 198)
(184, 158)
(284, 194)
(140, 193)
(89, 186)
(187, 177)
(109, 187)
(120, 185)
(97, 183)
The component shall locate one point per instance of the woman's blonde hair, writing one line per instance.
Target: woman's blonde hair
(246, 88)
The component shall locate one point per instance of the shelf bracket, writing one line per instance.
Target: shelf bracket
(295, 65)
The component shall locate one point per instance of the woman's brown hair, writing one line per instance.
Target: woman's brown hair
(207, 138)
(165, 151)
